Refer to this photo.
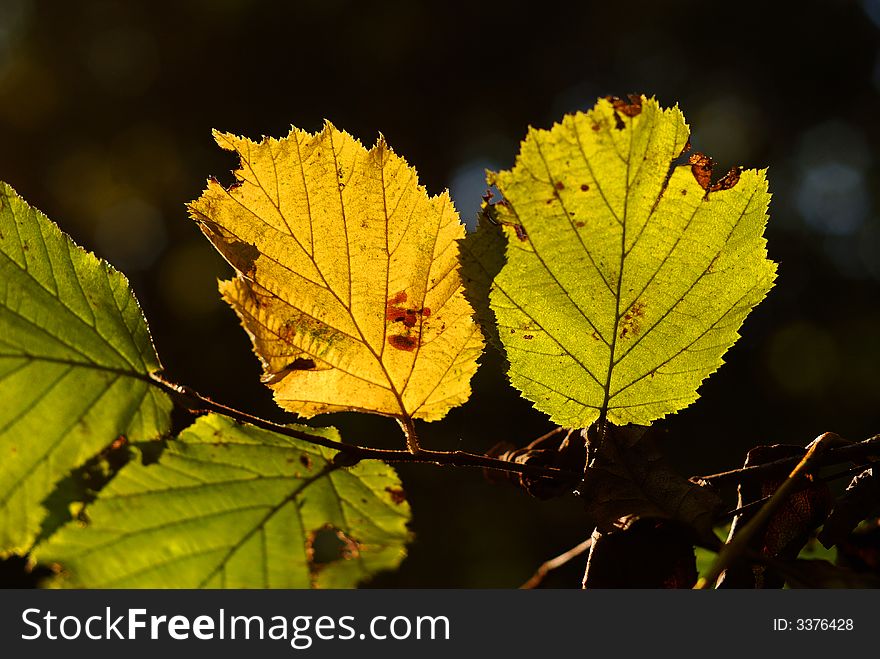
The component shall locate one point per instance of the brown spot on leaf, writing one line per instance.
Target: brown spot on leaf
(528, 337)
(584, 187)
(402, 342)
(618, 121)
(630, 324)
(559, 185)
(630, 107)
(396, 299)
(596, 127)
(409, 317)
(579, 224)
(398, 496)
(701, 167)
(396, 313)
(729, 180)
(306, 461)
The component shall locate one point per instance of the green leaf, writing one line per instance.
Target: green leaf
(75, 359)
(627, 275)
(233, 506)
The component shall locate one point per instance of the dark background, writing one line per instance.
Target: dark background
(106, 109)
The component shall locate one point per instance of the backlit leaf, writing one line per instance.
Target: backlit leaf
(233, 506)
(347, 276)
(627, 276)
(75, 359)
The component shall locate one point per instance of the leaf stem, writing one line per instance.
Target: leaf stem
(409, 431)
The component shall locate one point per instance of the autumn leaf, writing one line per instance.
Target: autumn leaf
(232, 506)
(75, 364)
(347, 276)
(628, 273)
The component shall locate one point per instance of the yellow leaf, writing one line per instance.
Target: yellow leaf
(348, 276)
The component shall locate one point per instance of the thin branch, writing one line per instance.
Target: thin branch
(563, 558)
(870, 448)
(730, 514)
(350, 454)
(739, 544)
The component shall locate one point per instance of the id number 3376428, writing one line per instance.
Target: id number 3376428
(812, 624)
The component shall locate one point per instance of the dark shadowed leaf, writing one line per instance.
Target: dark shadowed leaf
(861, 549)
(628, 475)
(787, 531)
(564, 450)
(806, 573)
(646, 553)
(860, 501)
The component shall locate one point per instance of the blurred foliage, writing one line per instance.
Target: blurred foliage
(106, 108)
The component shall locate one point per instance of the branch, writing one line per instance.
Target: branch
(739, 544)
(730, 514)
(563, 558)
(860, 451)
(350, 454)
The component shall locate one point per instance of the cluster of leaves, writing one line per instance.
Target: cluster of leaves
(612, 270)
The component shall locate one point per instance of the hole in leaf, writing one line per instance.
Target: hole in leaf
(328, 545)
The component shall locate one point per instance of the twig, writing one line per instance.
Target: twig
(870, 448)
(740, 542)
(563, 558)
(351, 454)
(730, 514)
